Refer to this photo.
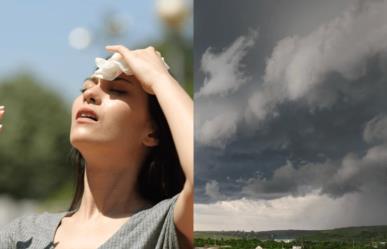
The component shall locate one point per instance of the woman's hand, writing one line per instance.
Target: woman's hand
(146, 65)
(1, 115)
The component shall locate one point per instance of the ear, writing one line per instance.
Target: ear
(151, 138)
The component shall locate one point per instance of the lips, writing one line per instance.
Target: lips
(86, 114)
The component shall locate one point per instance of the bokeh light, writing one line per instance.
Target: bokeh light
(79, 38)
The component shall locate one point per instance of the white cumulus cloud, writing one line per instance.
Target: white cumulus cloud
(376, 129)
(216, 132)
(312, 211)
(212, 190)
(223, 71)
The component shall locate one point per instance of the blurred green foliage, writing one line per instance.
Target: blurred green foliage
(178, 52)
(34, 142)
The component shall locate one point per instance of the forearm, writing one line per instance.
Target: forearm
(177, 106)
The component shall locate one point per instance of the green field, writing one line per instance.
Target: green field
(340, 238)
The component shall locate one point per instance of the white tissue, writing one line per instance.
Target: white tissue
(113, 67)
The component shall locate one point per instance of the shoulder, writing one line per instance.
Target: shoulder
(159, 211)
(166, 203)
(163, 209)
(152, 227)
(30, 224)
(36, 220)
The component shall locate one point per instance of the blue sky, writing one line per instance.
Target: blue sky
(34, 37)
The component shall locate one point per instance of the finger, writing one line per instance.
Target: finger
(124, 51)
(1, 114)
(150, 48)
(2, 109)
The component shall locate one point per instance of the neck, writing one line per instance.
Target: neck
(110, 187)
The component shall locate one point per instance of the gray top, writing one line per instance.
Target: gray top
(151, 228)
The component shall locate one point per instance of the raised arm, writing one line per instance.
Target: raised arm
(177, 106)
(178, 109)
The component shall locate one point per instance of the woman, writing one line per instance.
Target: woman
(115, 134)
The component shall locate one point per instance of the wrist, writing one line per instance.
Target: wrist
(163, 82)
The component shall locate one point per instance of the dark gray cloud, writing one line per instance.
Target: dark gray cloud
(312, 117)
(301, 136)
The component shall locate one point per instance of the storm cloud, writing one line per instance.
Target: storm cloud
(299, 65)
(306, 126)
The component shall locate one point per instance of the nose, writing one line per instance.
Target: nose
(92, 95)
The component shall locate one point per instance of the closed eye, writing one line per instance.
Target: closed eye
(121, 92)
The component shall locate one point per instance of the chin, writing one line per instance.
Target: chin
(82, 139)
(86, 141)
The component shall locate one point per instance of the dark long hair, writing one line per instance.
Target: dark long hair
(160, 176)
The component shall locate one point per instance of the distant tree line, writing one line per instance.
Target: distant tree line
(271, 244)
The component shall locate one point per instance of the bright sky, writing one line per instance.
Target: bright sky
(35, 37)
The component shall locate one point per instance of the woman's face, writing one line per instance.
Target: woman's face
(113, 114)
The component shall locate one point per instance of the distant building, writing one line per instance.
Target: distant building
(258, 247)
(284, 240)
(297, 247)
